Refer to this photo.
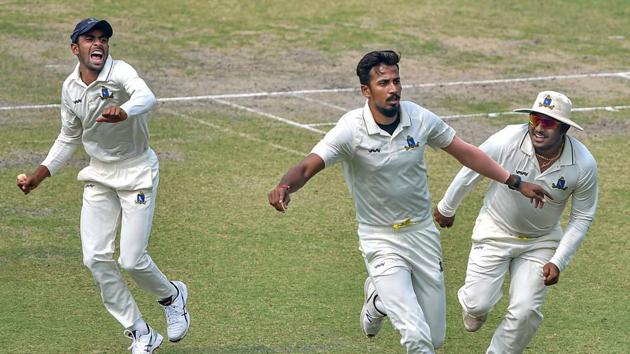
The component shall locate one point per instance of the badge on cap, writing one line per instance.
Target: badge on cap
(546, 103)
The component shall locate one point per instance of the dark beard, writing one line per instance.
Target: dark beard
(389, 112)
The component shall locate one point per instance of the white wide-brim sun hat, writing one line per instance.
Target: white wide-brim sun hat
(553, 104)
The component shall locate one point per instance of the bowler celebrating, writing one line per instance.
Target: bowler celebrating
(381, 148)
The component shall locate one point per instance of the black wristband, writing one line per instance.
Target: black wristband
(516, 184)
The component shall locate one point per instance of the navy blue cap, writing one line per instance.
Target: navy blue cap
(89, 24)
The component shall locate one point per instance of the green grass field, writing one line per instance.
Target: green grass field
(265, 282)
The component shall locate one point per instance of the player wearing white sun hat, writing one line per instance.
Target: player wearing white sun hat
(553, 104)
(381, 149)
(511, 236)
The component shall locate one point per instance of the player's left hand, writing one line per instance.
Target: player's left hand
(535, 193)
(551, 273)
(443, 221)
(112, 114)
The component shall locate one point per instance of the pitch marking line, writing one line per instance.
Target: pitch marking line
(268, 115)
(496, 114)
(229, 131)
(30, 106)
(320, 102)
(625, 75)
(523, 79)
(431, 84)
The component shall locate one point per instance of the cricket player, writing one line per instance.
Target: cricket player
(104, 106)
(511, 236)
(381, 148)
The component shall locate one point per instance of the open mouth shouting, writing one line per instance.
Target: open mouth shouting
(97, 57)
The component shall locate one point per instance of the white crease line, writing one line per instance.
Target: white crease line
(284, 120)
(431, 84)
(496, 114)
(606, 108)
(322, 124)
(226, 130)
(524, 79)
(323, 103)
(257, 94)
(300, 92)
(30, 106)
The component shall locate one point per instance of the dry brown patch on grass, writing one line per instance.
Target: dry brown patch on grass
(485, 46)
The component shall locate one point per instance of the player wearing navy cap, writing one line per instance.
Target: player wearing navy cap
(104, 107)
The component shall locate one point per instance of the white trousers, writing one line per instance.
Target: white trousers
(121, 193)
(488, 263)
(406, 268)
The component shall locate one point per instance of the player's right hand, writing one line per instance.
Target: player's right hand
(112, 114)
(279, 198)
(535, 193)
(443, 221)
(25, 184)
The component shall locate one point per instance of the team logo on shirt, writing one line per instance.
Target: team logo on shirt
(105, 93)
(522, 173)
(140, 198)
(411, 144)
(546, 103)
(559, 184)
(374, 150)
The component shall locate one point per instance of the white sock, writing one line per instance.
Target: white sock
(140, 327)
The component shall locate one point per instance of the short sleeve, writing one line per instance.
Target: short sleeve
(336, 144)
(439, 134)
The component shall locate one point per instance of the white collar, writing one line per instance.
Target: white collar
(103, 75)
(372, 126)
(568, 154)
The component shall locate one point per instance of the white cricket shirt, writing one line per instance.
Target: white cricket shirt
(117, 84)
(386, 175)
(573, 176)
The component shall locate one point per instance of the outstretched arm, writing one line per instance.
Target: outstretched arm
(475, 159)
(293, 180)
